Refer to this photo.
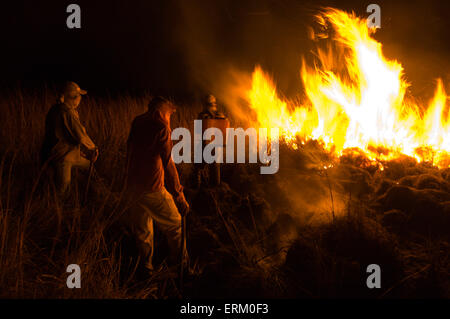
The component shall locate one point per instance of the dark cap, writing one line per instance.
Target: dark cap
(158, 102)
(210, 100)
(72, 89)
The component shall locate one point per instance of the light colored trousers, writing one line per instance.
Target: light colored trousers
(64, 171)
(160, 208)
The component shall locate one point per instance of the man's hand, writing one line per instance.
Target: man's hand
(182, 205)
(94, 155)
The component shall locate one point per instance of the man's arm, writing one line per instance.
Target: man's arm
(77, 131)
(172, 178)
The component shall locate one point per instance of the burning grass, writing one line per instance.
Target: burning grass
(354, 98)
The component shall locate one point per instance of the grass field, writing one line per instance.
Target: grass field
(298, 233)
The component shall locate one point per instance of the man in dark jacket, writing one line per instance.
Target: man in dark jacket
(210, 110)
(148, 162)
(65, 137)
(204, 173)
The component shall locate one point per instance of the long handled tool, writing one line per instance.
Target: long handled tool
(182, 250)
(91, 169)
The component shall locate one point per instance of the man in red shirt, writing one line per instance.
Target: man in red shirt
(148, 162)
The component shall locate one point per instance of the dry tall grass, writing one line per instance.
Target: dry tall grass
(243, 242)
(39, 236)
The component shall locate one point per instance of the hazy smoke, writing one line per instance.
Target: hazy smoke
(222, 41)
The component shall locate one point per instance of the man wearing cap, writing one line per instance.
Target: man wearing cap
(149, 162)
(210, 109)
(202, 171)
(66, 138)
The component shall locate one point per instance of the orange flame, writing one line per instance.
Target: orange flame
(355, 98)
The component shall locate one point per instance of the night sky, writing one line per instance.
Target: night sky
(181, 47)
